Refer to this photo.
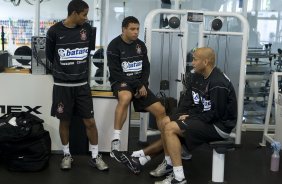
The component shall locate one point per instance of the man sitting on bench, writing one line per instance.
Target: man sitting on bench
(212, 114)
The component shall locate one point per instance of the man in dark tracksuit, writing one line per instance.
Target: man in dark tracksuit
(68, 44)
(129, 72)
(208, 112)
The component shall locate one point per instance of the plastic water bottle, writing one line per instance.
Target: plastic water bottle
(275, 157)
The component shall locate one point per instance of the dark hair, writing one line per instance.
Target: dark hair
(78, 6)
(128, 20)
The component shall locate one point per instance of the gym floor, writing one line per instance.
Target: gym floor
(248, 164)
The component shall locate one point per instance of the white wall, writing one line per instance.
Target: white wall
(8, 10)
(52, 9)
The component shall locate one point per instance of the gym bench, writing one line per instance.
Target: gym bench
(219, 150)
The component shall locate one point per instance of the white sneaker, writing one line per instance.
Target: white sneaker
(66, 162)
(167, 180)
(99, 163)
(162, 170)
(171, 180)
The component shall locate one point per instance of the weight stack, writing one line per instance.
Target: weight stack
(38, 59)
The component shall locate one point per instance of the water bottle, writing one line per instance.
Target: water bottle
(275, 157)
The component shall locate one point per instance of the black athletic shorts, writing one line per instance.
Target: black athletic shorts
(197, 132)
(68, 101)
(139, 103)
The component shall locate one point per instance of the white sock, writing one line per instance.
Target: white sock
(139, 153)
(116, 134)
(94, 150)
(144, 160)
(66, 149)
(178, 173)
(168, 160)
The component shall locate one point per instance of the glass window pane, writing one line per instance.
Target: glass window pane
(267, 30)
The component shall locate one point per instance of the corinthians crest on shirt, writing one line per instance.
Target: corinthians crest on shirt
(60, 108)
(138, 49)
(83, 35)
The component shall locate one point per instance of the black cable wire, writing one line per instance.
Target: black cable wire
(225, 59)
(32, 3)
(227, 52)
(2, 37)
(209, 36)
(217, 52)
(124, 9)
(16, 3)
(183, 61)
(169, 58)
(162, 52)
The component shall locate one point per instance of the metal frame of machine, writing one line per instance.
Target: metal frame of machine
(202, 32)
(277, 96)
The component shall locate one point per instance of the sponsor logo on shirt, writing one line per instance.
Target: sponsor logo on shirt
(206, 104)
(60, 108)
(196, 97)
(73, 54)
(134, 66)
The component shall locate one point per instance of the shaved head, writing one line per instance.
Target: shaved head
(206, 53)
(203, 61)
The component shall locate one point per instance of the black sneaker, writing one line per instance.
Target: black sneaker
(131, 162)
(185, 155)
(115, 146)
(116, 155)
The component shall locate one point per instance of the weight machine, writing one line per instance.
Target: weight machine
(199, 18)
(275, 96)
